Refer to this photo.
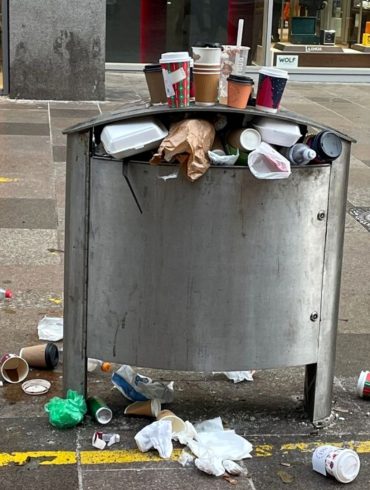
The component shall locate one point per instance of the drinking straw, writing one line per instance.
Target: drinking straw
(238, 44)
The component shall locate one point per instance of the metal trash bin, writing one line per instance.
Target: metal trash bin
(227, 273)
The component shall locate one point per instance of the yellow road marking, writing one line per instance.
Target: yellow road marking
(7, 180)
(56, 301)
(128, 456)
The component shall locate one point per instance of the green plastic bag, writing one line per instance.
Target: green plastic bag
(66, 412)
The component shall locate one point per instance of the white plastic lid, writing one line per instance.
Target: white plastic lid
(347, 466)
(250, 139)
(274, 72)
(361, 383)
(174, 57)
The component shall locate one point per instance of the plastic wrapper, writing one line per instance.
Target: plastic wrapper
(218, 157)
(239, 376)
(66, 412)
(157, 435)
(50, 328)
(187, 143)
(267, 163)
(138, 388)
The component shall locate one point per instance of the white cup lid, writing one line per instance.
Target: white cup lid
(274, 72)
(347, 466)
(174, 56)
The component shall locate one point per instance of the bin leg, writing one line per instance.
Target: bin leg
(75, 269)
(318, 394)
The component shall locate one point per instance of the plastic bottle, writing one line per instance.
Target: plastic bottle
(93, 364)
(299, 154)
(5, 294)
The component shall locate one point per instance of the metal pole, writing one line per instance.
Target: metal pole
(266, 33)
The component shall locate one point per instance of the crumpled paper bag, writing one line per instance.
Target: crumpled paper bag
(188, 143)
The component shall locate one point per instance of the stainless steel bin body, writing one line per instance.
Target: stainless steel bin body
(227, 273)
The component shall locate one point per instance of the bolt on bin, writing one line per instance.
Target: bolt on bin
(223, 274)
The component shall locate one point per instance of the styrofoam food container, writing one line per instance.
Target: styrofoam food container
(277, 132)
(131, 137)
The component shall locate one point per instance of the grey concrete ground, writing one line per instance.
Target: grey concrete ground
(267, 412)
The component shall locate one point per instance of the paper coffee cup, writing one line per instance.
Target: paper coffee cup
(206, 55)
(176, 77)
(271, 85)
(244, 139)
(178, 425)
(13, 368)
(154, 80)
(363, 384)
(342, 464)
(239, 89)
(44, 356)
(149, 408)
(206, 87)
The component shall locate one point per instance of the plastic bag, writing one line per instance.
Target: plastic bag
(218, 157)
(140, 388)
(158, 435)
(267, 163)
(50, 328)
(66, 412)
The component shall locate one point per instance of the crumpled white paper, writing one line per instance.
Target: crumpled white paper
(218, 157)
(158, 435)
(50, 328)
(239, 376)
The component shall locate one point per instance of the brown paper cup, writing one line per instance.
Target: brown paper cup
(44, 356)
(13, 368)
(206, 87)
(178, 425)
(150, 408)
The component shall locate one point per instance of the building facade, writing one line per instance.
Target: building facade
(60, 50)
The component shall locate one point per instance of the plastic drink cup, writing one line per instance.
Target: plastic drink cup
(178, 425)
(239, 89)
(99, 410)
(206, 87)
(342, 464)
(234, 60)
(154, 80)
(271, 85)
(44, 356)
(176, 76)
(363, 385)
(13, 368)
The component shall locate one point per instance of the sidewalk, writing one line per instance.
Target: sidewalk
(268, 412)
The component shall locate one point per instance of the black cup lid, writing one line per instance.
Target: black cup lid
(154, 67)
(330, 144)
(51, 355)
(241, 79)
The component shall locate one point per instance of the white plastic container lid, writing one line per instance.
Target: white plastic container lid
(274, 72)
(132, 137)
(250, 139)
(347, 466)
(174, 57)
(277, 132)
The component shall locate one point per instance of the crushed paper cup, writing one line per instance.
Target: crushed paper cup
(149, 408)
(178, 425)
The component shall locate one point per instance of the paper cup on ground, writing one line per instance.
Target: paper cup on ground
(176, 76)
(206, 55)
(154, 80)
(44, 356)
(206, 87)
(178, 425)
(244, 138)
(271, 85)
(239, 89)
(13, 368)
(363, 385)
(342, 464)
(150, 408)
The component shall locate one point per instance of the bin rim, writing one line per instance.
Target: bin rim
(133, 111)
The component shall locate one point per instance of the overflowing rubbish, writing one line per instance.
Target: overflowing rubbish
(136, 387)
(50, 328)
(239, 376)
(157, 435)
(187, 143)
(363, 385)
(100, 440)
(5, 294)
(67, 412)
(99, 410)
(267, 163)
(13, 368)
(44, 356)
(299, 154)
(342, 464)
(149, 408)
(36, 386)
